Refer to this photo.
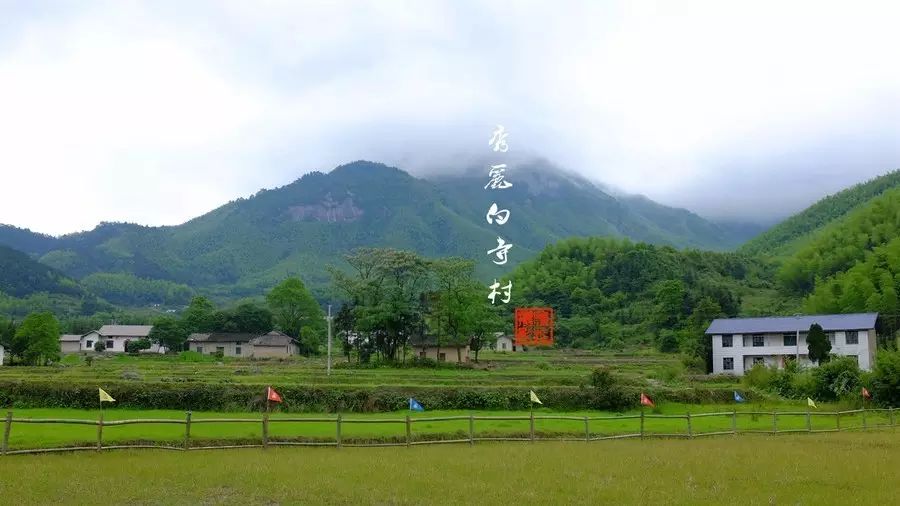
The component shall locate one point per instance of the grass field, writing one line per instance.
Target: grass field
(33, 435)
(845, 468)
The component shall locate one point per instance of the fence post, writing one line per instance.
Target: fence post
(408, 431)
(587, 430)
(339, 430)
(187, 430)
(7, 427)
(837, 416)
(734, 421)
(532, 426)
(892, 418)
(100, 433)
(865, 424)
(690, 430)
(808, 421)
(775, 421)
(471, 430)
(265, 430)
(642, 423)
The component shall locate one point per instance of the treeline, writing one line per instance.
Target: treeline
(780, 238)
(609, 292)
(393, 299)
(130, 290)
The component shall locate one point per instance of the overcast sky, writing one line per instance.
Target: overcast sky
(160, 111)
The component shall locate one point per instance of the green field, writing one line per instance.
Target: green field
(845, 468)
(366, 428)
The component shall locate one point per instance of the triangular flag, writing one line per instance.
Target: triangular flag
(272, 395)
(646, 401)
(534, 397)
(105, 396)
(738, 397)
(866, 394)
(414, 405)
(811, 403)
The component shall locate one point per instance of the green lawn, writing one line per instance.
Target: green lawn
(36, 435)
(845, 469)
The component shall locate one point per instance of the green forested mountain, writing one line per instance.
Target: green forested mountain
(791, 234)
(249, 244)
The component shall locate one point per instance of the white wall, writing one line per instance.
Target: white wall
(743, 351)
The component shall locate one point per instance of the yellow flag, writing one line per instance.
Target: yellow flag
(534, 397)
(105, 396)
(811, 403)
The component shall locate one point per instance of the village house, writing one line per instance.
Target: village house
(428, 348)
(235, 344)
(740, 343)
(113, 337)
(505, 343)
(70, 343)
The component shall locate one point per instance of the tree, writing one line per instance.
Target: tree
(7, 333)
(39, 335)
(248, 318)
(168, 333)
(200, 316)
(297, 314)
(819, 345)
(137, 345)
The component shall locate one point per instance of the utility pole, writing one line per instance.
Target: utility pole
(328, 371)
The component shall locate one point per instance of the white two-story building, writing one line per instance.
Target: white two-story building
(740, 343)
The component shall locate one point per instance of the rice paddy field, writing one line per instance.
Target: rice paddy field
(843, 468)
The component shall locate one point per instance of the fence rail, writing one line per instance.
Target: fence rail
(407, 440)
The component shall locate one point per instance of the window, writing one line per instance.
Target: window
(830, 337)
(237, 350)
(790, 339)
(220, 349)
(199, 349)
(442, 357)
(89, 344)
(728, 363)
(110, 345)
(503, 346)
(726, 341)
(759, 340)
(759, 361)
(852, 337)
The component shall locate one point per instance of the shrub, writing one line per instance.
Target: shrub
(836, 378)
(137, 345)
(886, 378)
(99, 347)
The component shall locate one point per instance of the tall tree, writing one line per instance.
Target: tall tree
(294, 309)
(249, 318)
(200, 316)
(168, 333)
(819, 345)
(39, 335)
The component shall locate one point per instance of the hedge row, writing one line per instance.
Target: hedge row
(299, 398)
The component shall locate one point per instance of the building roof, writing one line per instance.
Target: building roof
(70, 338)
(829, 323)
(431, 342)
(125, 330)
(273, 338)
(222, 337)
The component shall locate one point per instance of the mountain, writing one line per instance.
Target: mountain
(251, 243)
(20, 275)
(790, 235)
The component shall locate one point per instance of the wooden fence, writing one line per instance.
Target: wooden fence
(339, 421)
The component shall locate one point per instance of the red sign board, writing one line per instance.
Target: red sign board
(534, 326)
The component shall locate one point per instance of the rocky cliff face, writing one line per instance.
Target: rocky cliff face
(329, 210)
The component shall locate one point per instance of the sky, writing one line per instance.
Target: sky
(157, 112)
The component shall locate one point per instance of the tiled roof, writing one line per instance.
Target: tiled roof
(829, 323)
(125, 330)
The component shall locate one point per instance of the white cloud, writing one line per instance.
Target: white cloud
(157, 112)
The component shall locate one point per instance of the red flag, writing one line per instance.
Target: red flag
(272, 395)
(646, 401)
(866, 394)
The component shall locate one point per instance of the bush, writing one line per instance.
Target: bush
(99, 347)
(886, 378)
(137, 345)
(836, 378)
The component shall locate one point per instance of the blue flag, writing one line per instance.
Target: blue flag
(414, 405)
(737, 397)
